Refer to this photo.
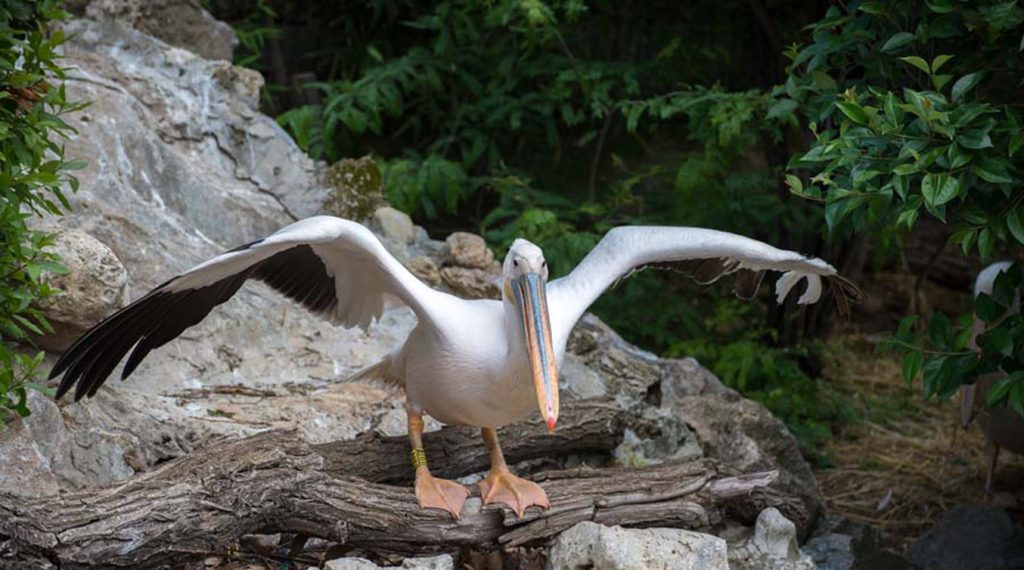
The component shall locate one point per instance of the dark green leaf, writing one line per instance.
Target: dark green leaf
(1015, 225)
(965, 84)
(912, 363)
(898, 40)
(917, 62)
(991, 170)
(939, 189)
(854, 111)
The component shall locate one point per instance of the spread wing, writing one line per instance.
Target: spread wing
(333, 267)
(703, 254)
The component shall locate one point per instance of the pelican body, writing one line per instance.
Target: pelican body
(1003, 427)
(483, 363)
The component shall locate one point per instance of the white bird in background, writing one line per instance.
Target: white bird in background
(483, 363)
(1003, 427)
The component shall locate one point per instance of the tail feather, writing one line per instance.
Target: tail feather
(380, 374)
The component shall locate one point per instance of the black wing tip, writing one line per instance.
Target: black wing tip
(846, 293)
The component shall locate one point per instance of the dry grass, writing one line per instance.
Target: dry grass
(907, 463)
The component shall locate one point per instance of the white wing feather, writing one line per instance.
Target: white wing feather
(626, 249)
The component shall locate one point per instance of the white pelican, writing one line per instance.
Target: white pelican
(482, 363)
(1003, 427)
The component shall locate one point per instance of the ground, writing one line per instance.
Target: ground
(905, 462)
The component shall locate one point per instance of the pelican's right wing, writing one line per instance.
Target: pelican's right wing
(333, 267)
(703, 254)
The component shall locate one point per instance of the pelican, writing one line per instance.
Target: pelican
(1003, 427)
(482, 363)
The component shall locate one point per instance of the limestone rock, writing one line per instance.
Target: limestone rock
(94, 286)
(394, 225)
(423, 267)
(772, 546)
(441, 562)
(842, 544)
(590, 545)
(470, 283)
(357, 188)
(971, 537)
(181, 23)
(746, 436)
(470, 250)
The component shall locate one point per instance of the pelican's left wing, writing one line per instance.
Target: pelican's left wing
(333, 267)
(703, 254)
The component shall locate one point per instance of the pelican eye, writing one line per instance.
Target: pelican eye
(515, 262)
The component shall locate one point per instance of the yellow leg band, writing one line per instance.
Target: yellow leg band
(419, 458)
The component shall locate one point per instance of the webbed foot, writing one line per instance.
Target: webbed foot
(501, 486)
(434, 493)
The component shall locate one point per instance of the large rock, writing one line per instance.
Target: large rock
(746, 436)
(590, 545)
(971, 537)
(94, 286)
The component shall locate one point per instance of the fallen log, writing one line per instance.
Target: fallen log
(584, 426)
(199, 504)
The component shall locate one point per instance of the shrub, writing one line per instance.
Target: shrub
(33, 174)
(915, 108)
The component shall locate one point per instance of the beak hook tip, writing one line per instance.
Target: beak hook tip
(551, 425)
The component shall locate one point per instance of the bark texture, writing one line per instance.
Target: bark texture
(276, 482)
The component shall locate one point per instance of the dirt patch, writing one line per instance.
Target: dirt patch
(907, 462)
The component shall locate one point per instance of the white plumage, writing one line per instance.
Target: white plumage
(466, 361)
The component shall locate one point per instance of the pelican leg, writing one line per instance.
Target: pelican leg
(433, 493)
(993, 460)
(501, 486)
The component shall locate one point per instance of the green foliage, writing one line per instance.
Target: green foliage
(557, 120)
(915, 109)
(775, 376)
(954, 354)
(32, 174)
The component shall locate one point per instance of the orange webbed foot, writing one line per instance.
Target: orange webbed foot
(434, 493)
(501, 486)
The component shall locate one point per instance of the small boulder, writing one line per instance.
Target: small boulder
(772, 546)
(94, 286)
(441, 562)
(971, 537)
(357, 188)
(590, 545)
(423, 267)
(470, 250)
(471, 283)
(394, 225)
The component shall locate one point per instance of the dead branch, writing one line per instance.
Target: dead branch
(275, 482)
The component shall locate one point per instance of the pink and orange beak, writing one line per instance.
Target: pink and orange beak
(531, 300)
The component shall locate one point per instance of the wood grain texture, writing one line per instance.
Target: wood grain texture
(276, 482)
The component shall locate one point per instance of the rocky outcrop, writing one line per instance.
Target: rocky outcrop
(181, 23)
(93, 287)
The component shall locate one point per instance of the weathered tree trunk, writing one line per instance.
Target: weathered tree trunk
(275, 482)
(583, 426)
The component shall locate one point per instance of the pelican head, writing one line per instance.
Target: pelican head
(525, 278)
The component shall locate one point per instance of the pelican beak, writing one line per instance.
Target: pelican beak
(532, 301)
